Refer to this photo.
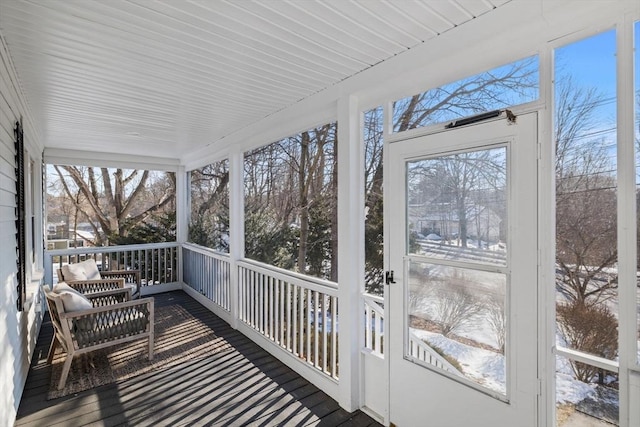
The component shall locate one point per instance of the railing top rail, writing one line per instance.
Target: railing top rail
(372, 297)
(104, 249)
(206, 251)
(589, 359)
(302, 280)
(445, 363)
(374, 304)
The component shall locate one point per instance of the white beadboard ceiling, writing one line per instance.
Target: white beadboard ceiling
(166, 77)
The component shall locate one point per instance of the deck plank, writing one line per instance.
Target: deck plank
(240, 386)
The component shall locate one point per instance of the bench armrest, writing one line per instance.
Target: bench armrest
(129, 276)
(91, 286)
(109, 297)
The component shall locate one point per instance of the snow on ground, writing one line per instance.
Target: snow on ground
(484, 367)
(568, 389)
(479, 331)
(487, 368)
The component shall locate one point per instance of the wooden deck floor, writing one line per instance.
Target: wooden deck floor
(250, 388)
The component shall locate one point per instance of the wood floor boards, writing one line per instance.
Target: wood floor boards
(241, 386)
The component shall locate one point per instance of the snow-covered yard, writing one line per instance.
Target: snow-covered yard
(488, 368)
(484, 367)
(467, 344)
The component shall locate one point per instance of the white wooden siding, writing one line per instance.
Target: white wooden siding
(17, 330)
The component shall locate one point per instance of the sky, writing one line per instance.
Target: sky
(592, 61)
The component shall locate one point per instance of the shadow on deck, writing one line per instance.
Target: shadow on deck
(250, 387)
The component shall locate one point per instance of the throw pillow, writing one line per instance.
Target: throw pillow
(85, 270)
(74, 301)
(62, 286)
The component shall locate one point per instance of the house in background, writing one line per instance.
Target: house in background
(175, 86)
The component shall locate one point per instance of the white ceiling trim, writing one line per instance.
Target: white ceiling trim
(108, 160)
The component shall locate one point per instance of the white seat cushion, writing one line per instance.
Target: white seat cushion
(85, 270)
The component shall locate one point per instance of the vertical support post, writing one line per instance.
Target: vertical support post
(387, 131)
(627, 280)
(236, 230)
(182, 214)
(350, 241)
(546, 244)
(48, 268)
(39, 208)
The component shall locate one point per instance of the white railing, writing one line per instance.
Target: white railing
(588, 359)
(207, 272)
(421, 351)
(296, 312)
(157, 262)
(374, 323)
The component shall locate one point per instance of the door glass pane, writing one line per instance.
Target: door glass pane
(457, 206)
(457, 322)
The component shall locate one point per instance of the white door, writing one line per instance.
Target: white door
(463, 308)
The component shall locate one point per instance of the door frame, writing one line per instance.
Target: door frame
(499, 140)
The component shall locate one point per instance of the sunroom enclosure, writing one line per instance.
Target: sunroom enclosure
(330, 318)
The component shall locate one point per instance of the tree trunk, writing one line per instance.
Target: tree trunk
(303, 202)
(334, 212)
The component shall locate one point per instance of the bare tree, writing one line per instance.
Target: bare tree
(467, 175)
(209, 223)
(586, 247)
(112, 199)
(291, 200)
(464, 188)
(593, 329)
(497, 318)
(455, 306)
(316, 179)
(373, 231)
(586, 244)
(490, 90)
(574, 117)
